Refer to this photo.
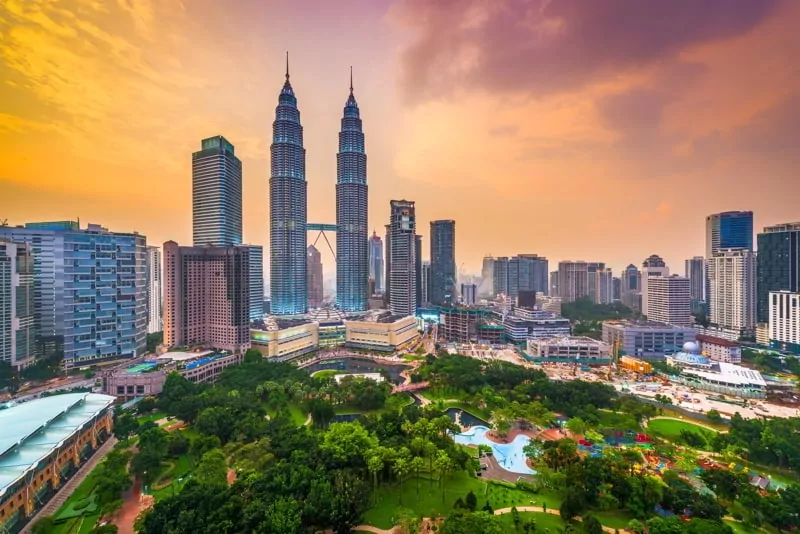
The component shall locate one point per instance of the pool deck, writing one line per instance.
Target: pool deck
(495, 472)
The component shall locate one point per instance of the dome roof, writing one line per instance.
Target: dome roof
(691, 359)
(691, 347)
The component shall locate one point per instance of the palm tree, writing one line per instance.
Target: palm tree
(401, 468)
(416, 465)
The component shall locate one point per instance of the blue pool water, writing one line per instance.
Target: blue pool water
(509, 455)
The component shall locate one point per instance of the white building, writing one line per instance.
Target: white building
(669, 300)
(155, 294)
(548, 303)
(784, 320)
(17, 320)
(646, 339)
(720, 350)
(604, 286)
(720, 377)
(732, 283)
(652, 267)
(564, 349)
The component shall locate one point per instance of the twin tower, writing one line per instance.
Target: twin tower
(289, 209)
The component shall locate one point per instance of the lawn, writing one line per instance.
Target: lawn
(171, 478)
(326, 373)
(79, 513)
(671, 429)
(544, 522)
(616, 420)
(393, 404)
(151, 417)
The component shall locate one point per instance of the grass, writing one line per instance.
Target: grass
(76, 515)
(544, 522)
(614, 518)
(619, 421)
(326, 373)
(151, 417)
(181, 468)
(393, 404)
(671, 429)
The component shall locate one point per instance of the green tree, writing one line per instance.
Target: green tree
(401, 468)
(591, 525)
(344, 444)
(45, 525)
(212, 469)
(515, 518)
(471, 501)
(252, 356)
(125, 425)
(576, 425)
(407, 521)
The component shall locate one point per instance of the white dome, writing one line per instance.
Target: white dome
(691, 347)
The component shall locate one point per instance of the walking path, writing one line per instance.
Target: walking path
(68, 488)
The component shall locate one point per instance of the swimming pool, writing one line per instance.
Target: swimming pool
(509, 455)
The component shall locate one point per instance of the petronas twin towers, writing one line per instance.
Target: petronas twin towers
(289, 209)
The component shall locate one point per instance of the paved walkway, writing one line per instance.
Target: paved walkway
(68, 488)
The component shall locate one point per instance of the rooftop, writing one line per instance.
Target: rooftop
(716, 340)
(730, 374)
(32, 430)
(649, 325)
(179, 356)
(573, 341)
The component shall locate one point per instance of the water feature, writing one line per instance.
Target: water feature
(360, 365)
(346, 417)
(466, 419)
(509, 456)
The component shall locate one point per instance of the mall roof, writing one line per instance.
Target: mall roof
(32, 430)
(729, 373)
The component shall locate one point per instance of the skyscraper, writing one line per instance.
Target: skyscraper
(487, 277)
(376, 269)
(554, 284)
(206, 296)
(314, 271)
(604, 286)
(402, 257)
(469, 294)
(387, 279)
(631, 288)
(592, 280)
(216, 194)
(696, 273)
(729, 230)
(443, 262)
(155, 294)
(352, 263)
(732, 299)
(669, 300)
(573, 280)
(288, 208)
(256, 282)
(17, 317)
(500, 276)
(418, 270)
(651, 267)
(778, 263)
(426, 283)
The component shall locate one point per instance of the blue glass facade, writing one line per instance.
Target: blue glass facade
(216, 194)
(288, 208)
(732, 229)
(352, 261)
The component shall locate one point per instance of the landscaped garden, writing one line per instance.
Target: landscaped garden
(672, 428)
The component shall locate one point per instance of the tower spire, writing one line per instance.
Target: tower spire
(351, 80)
(287, 65)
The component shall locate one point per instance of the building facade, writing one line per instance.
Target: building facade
(778, 264)
(573, 280)
(695, 271)
(720, 350)
(568, 349)
(487, 277)
(314, 273)
(784, 321)
(522, 324)
(155, 291)
(402, 243)
(425, 283)
(732, 284)
(524, 272)
(376, 269)
(729, 230)
(17, 314)
(469, 294)
(90, 290)
(646, 339)
(651, 267)
(388, 333)
(282, 340)
(256, 282)
(352, 261)
(443, 262)
(669, 300)
(216, 194)
(207, 296)
(604, 286)
(288, 208)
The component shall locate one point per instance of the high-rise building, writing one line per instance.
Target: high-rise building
(469, 294)
(256, 282)
(426, 283)
(155, 291)
(376, 269)
(696, 273)
(402, 258)
(207, 297)
(592, 269)
(17, 315)
(554, 284)
(631, 288)
(669, 300)
(573, 280)
(732, 295)
(617, 288)
(418, 271)
(352, 262)
(500, 276)
(784, 320)
(90, 290)
(524, 272)
(778, 264)
(729, 230)
(387, 265)
(651, 267)
(443, 262)
(487, 277)
(216, 194)
(604, 286)
(314, 272)
(288, 208)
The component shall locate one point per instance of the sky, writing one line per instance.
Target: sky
(597, 130)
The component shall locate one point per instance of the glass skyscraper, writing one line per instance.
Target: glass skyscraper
(376, 271)
(443, 262)
(402, 264)
(288, 208)
(729, 230)
(352, 263)
(778, 264)
(216, 194)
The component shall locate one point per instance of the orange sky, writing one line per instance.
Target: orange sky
(596, 130)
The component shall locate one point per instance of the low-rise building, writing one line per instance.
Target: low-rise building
(636, 365)
(700, 372)
(43, 443)
(285, 339)
(720, 350)
(384, 333)
(522, 324)
(572, 349)
(784, 321)
(548, 303)
(464, 324)
(646, 339)
(723, 332)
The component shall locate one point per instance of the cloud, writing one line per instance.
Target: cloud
(550, 46)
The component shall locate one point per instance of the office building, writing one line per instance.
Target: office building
(387, 265)
(469, 294)
(443, 262)
(651, 267)
(155, 291)
(282, 340)
(425, 285)
(216, 194)
(207, 297)
(487, 277)
(568, 349)
(524, 272)
(465, 324)
(669, 300)
(17, 314)
(402, 258)
(646, 339)
(90, 290)
(554, 284)
(719, 349)
(729, 230)
(314, 272)
(784, 321)
(573, 280)
(617, 288)
(603, 286)
(256, 282)
(418, 270)
(376, 269)
(732, 284)
(695, 271)
(382, 333)
(592, 269)
(778, 264)
(548, 303)
(522, 324)
(288, 208)
(352, 261)
(526, 299)
(500, 276)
